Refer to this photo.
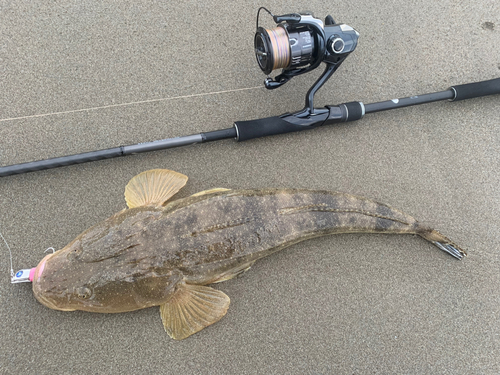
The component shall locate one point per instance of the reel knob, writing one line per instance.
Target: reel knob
(335, 45)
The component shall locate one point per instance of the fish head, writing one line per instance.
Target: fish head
(68, 280)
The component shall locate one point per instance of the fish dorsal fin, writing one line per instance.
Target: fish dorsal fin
(204, 192)
(153, 187)
(192, 308)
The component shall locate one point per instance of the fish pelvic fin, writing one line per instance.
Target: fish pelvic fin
(192, 308)
(442, 242)
(153, 187)
(234, 272)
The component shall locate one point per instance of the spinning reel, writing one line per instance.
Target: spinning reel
(299, 44)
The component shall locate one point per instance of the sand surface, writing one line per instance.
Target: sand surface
(81, 76)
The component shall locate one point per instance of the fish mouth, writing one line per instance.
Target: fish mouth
(48, 303)
(41, 266)
(44, 300)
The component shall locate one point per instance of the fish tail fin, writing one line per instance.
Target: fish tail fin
(441, 241)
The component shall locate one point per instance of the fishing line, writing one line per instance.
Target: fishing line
(24, 275)
(130, 103)
(10, 252)
(280, 47)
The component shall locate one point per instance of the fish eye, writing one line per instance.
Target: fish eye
(83, 293)
(74, 251)
(73, 254)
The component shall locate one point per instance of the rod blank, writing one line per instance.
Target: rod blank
(116, 151)
(61, 161)
(406, 102)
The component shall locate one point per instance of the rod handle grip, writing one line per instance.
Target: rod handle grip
(476, 89)
(287, 123)
(263, 127)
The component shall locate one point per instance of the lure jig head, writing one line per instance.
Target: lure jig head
(23, 276)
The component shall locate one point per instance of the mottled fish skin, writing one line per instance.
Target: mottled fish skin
(138, 257)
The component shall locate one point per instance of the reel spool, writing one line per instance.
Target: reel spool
(278, 49)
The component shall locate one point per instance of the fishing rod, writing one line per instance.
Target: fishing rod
(298, 44)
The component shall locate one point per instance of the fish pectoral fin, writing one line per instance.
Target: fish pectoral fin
(153, 187)
(204, 192)
(192, 308)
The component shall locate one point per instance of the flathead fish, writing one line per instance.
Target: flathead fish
(165, 253)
